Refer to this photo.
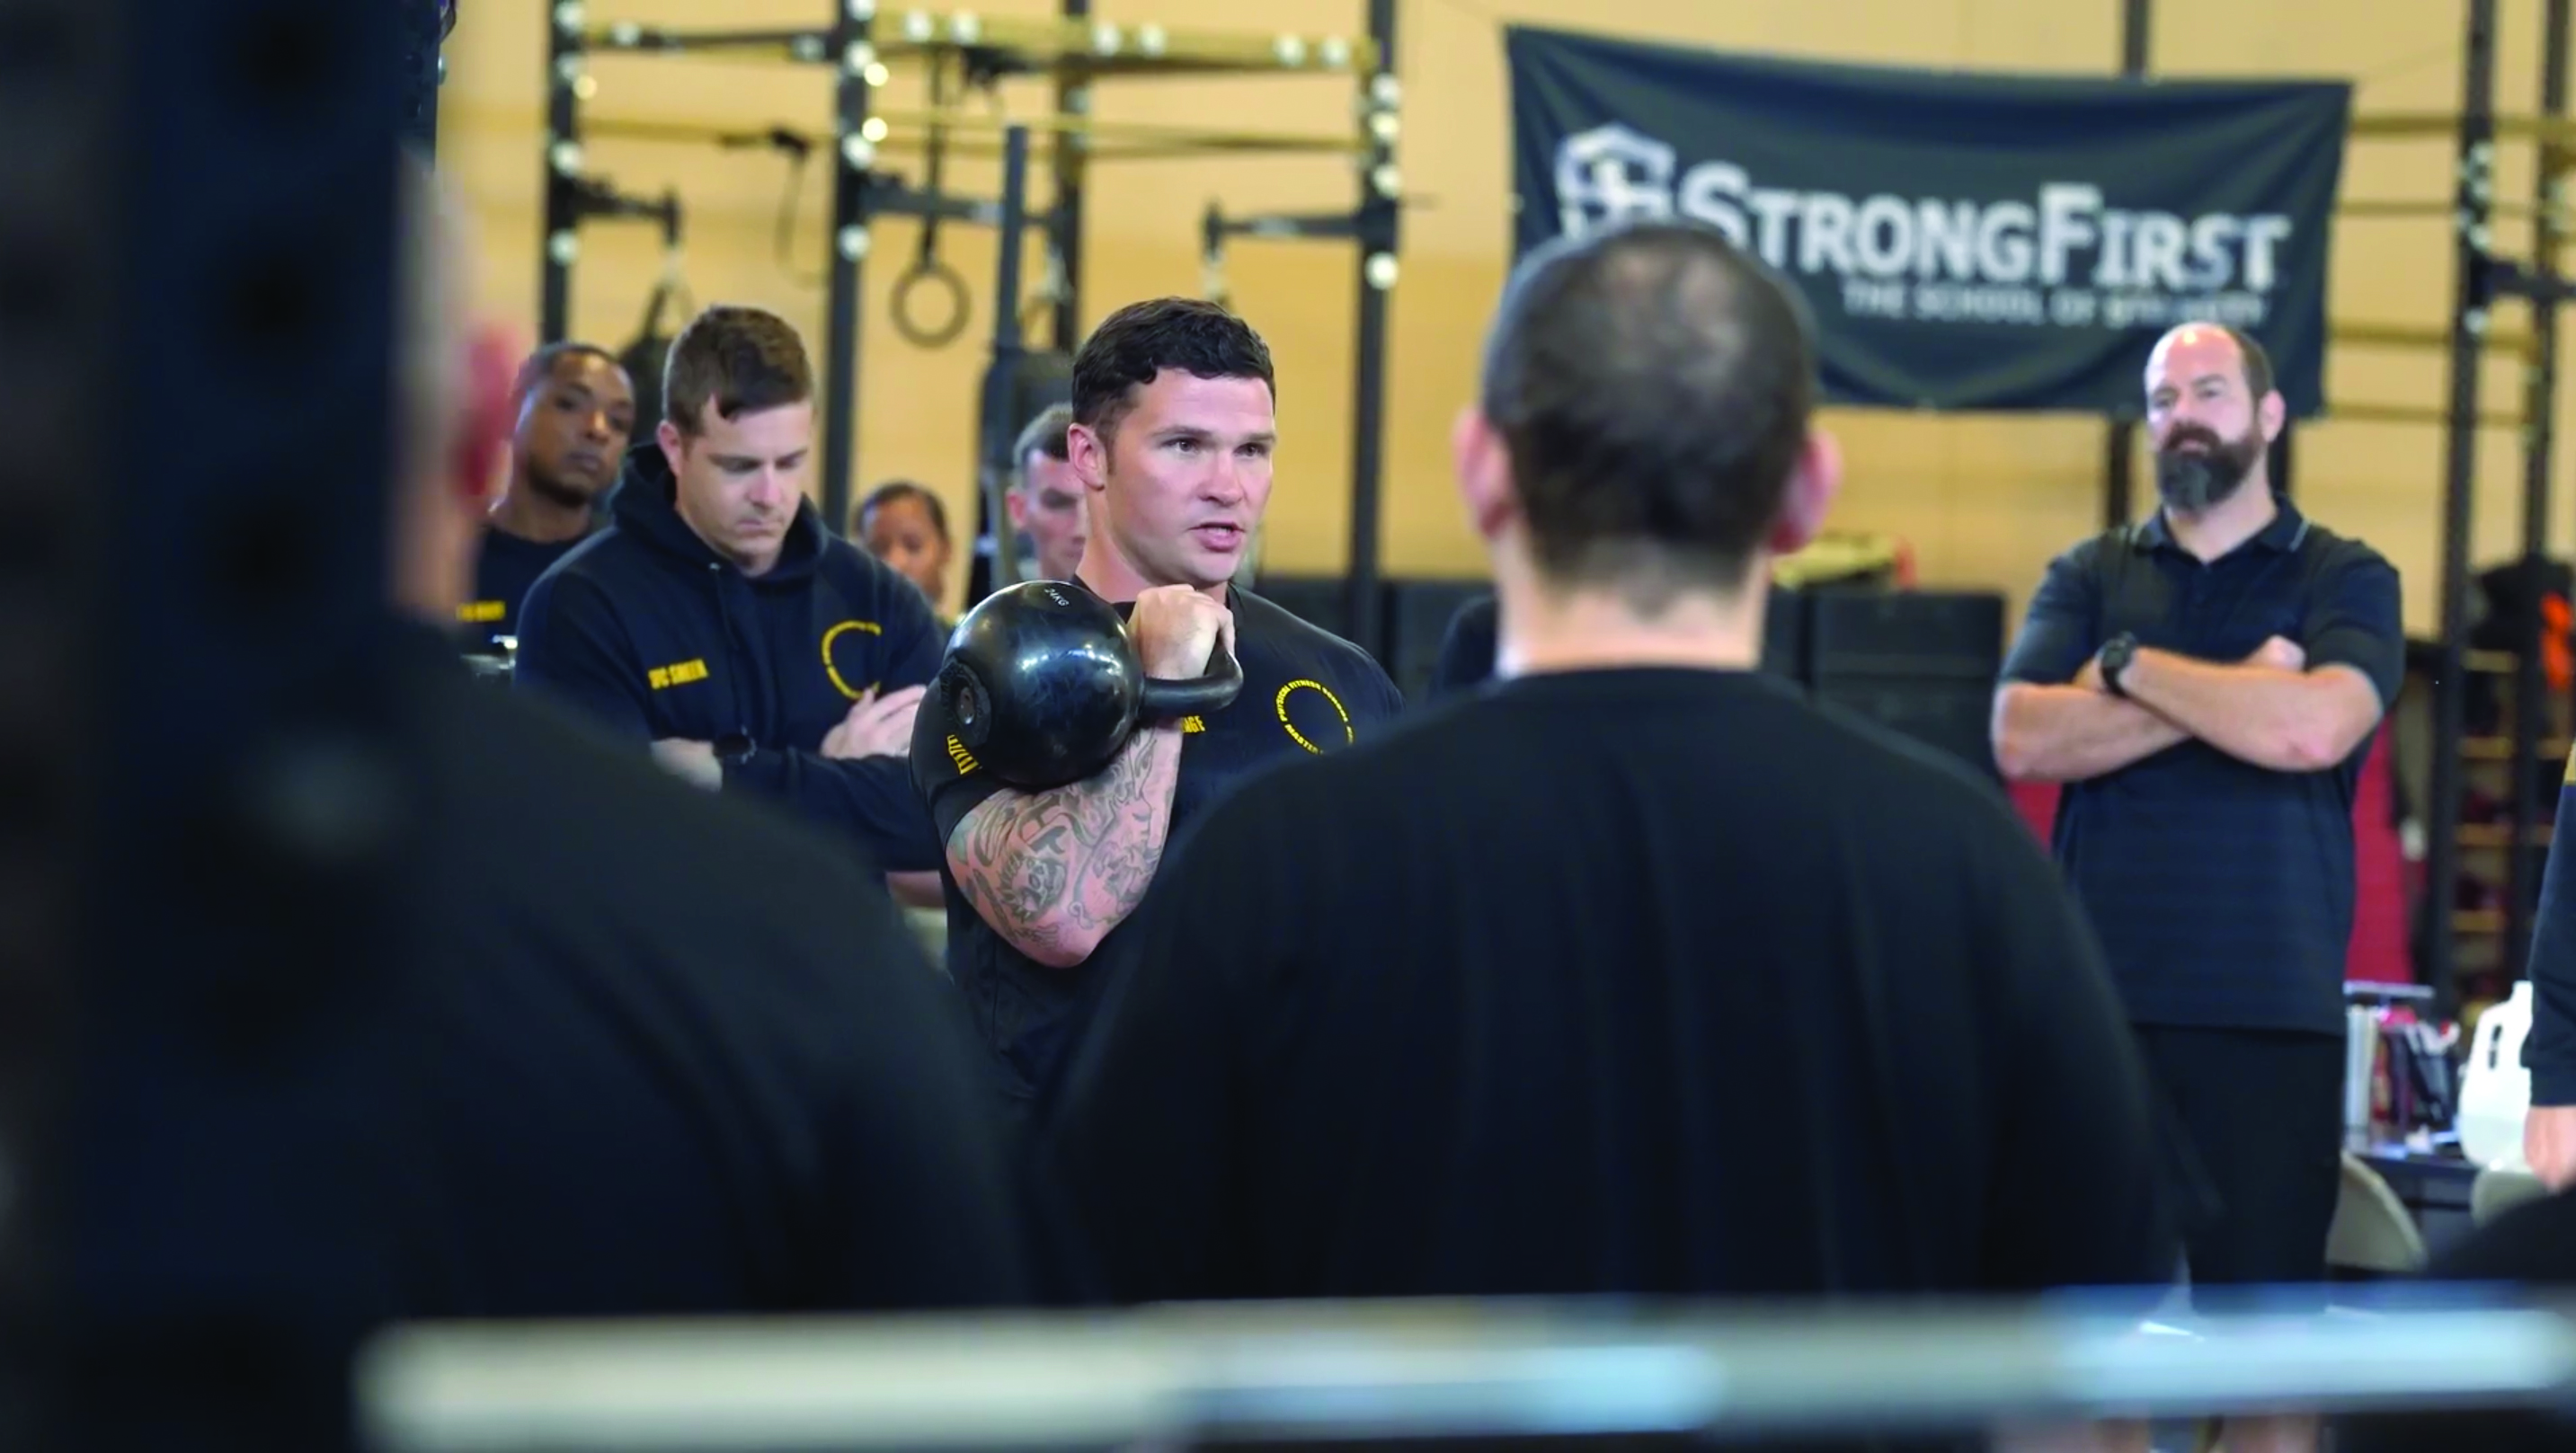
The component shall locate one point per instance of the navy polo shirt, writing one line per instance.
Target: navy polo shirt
(2222, 891)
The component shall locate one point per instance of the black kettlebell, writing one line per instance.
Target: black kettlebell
(1045, 685)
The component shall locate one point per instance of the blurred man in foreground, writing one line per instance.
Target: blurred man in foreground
(670, 1054)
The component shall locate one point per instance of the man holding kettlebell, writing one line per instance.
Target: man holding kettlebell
(1172, 436)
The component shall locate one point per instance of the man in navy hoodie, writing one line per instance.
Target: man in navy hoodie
(717, 619)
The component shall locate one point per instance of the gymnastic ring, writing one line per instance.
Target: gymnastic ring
(959, 307)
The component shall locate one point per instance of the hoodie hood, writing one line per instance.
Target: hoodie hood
(645, 504)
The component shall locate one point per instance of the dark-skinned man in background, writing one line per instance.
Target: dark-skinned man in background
(574, 415)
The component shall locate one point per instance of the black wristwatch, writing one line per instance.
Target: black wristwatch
(2117, 653)
(734, 748)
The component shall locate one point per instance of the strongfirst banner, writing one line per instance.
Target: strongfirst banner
(1966, 242)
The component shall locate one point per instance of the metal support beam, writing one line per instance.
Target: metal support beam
(2473, 189)
(851, 155)
(1320, 226)
(1072, 98)
(2120, 448)
(998, 428)
(891, 196)
(1380, 219)
(561, 242)
(2540, 414)
(1215, 227)
(596, 198)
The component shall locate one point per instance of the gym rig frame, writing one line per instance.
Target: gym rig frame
(862, 39)
(2480, 278)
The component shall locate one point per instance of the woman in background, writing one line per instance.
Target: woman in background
(905, 525)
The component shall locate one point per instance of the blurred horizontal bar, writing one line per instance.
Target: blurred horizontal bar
(2496, 837)
(1423, 1370)
(2411, 414)
(2430, 336)
(2431, 207)
(627, 35)
(1184, 138)
(1014, 43)
(2388, 125)
(2393, 125)
(969, 134)
(1312, 225)
(2500, 749)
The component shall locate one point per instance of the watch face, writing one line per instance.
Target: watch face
(732, 747)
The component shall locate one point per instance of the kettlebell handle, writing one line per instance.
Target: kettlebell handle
(1212, 692)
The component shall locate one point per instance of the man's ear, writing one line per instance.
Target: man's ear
(1088, 453)
(1483, 463)
(675, 449)
(487, 420)
(2275, 415)
(1813, 482)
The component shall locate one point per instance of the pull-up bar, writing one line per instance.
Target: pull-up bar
(1014, 43)
(966, 132)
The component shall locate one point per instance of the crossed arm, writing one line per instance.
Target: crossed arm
(2283, 717)
(1053, 872)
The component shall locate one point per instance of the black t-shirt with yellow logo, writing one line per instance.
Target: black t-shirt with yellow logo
(652, 633)
(1305, 691)
(504, 567)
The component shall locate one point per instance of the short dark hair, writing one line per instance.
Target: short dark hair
(1135, 344)
(1654, 385)
(1044, 435)
(888, 493)
(742, 360)
(541, 364)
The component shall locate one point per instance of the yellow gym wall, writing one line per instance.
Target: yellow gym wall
(1984, 501)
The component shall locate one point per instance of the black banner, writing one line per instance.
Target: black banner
(1994, 243)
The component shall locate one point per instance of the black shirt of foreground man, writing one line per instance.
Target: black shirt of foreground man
(1805, 1012)
(668, 1054)
(1304, 691)
(1635, 973)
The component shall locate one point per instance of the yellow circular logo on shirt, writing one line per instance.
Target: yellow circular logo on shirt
(834, 671)
(1313, 714)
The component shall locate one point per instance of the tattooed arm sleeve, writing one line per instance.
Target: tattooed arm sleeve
(1054, 871)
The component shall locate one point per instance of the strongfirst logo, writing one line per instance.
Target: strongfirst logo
(2062, 256)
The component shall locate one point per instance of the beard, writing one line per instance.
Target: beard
(2194, 482)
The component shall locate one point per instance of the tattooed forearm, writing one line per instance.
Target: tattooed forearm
(1054, 871)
